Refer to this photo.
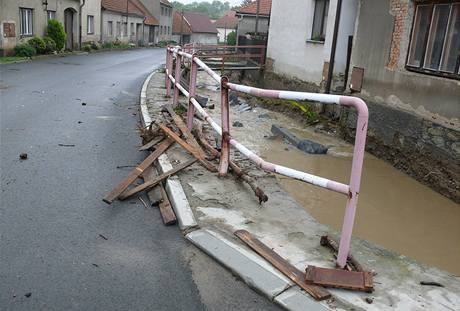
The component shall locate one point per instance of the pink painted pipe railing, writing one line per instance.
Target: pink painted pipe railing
(351, 190)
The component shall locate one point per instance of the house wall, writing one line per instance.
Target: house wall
(223, 33)
(165, 21)
(205, 38)
(9, 13)
(92, 7)
(248, 24)
(293, 54)
(154, 8)
(115, 17)
(382, 53)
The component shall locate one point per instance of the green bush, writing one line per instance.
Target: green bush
(86, 47)
(231, 38)
(38, 44)
(24, 50)
(107, 45)
(50, 45)
(55, 31)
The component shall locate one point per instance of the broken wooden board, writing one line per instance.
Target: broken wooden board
(166, 210)
(151, 183)
(136, 172)
(153, 194)
(338, 278)
(297, 276)
(151, 143)
(188, 137)
(208, 165)
(351, 260)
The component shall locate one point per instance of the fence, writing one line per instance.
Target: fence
(351, 191)
(229, 57)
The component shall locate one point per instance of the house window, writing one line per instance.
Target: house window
(90, 24)
(435, 41)
(125, 29)
(50, 15)
(110, 28)
(26, 18)
(132, 29)
(161, 30)
(118, 29)
(162, 11)
(318, 32)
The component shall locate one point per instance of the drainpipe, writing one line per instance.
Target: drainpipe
(333, 47)
(257, 19)
(81, 22)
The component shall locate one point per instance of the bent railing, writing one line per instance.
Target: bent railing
(351, 190)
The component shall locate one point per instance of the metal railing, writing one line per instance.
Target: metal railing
(351, 190)
(229, 57)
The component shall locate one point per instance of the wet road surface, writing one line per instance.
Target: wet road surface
(61, 247)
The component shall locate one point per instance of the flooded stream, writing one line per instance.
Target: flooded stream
(394, 210)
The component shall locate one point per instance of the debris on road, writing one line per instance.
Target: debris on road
(83, 104)
(151, 143)
(153, 194)
(237, 124)
(66, 145)
(338, 278)
(166, 211)
(23, 156)
(297, 276)
(326, 241)
(28, 295)
(103, 236)
(431, 283)
(143, 202)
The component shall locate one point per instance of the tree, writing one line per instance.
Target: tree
(231, 38)
(214, 9)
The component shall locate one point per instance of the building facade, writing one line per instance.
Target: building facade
(23, 19)
(248, 17)
(225, 25)
(192, 27)
(304, 51)
(165, 21)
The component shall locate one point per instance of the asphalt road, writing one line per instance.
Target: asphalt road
(61, 247)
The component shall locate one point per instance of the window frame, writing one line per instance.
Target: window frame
(48, 15)
(109, 28)
(30, 25)
(421, 68)
(323, 25)
(90, 24)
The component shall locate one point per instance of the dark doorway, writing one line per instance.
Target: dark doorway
(68, 27)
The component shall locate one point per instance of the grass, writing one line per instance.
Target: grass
(11, 59)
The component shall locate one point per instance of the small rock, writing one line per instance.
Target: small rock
(264, 116)
(28, 295)
(79, 122)
(96, 265)
(23, 156)
(369, 300)
(83, 104)
(237, 124)
(287, 149)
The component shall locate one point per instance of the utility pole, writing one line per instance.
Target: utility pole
(256, 31)
(330, 72)
(181, 25)
(127, 14)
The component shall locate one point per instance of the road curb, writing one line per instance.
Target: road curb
(250, 267)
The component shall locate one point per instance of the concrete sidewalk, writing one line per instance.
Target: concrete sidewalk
(210, 209)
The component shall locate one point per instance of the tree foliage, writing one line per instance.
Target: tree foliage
(214, 9)
(231, 38)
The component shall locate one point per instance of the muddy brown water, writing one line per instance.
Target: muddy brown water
(394, 210)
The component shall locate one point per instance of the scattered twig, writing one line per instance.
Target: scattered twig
(102, 236)
(143, 202)
(66, 145)
(431, 283)
(125, 166)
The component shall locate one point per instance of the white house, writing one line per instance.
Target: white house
(225, 25)
(192, 27)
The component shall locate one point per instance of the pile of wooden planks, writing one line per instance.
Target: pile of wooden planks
(159, 139)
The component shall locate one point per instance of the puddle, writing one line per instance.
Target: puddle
(394, 210)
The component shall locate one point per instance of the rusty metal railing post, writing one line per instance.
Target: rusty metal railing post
(192, 92)
(177, 78)
(169, 63)
(225, 113)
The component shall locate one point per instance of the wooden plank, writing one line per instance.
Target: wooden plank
(166, 211)
(188, 137)
(151, 183)
(338, 278)
(208, 165)
(153, 194)
(136, 172)
(282, 265)
(151, 143)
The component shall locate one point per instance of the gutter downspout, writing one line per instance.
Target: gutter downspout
(333, 47)
(256, 31)
(81, 22)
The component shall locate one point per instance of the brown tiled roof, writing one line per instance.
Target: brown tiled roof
(176, 26)
(229, 20)
(134, 7)
(264, 8)
(149, 18)
(193, 22)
